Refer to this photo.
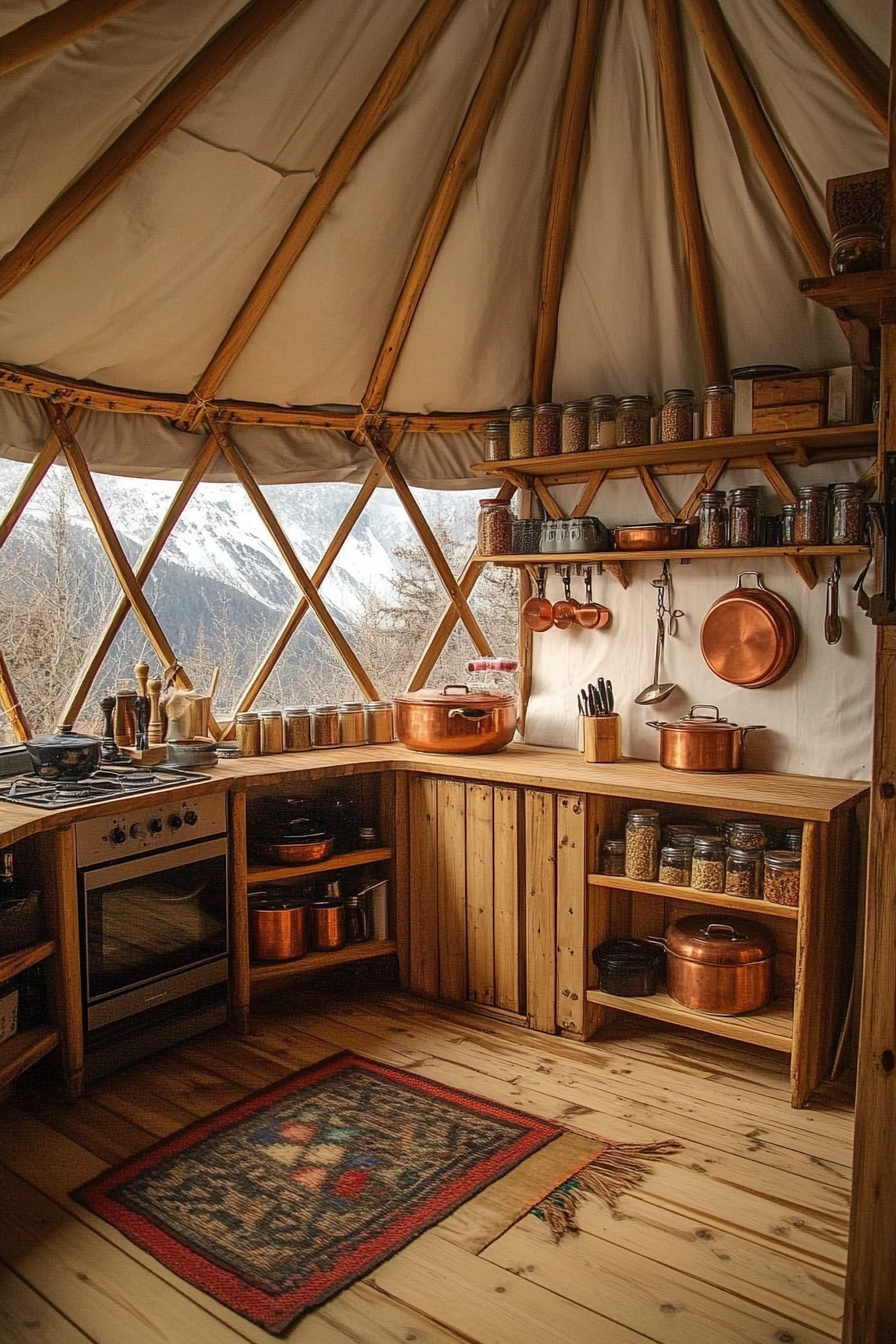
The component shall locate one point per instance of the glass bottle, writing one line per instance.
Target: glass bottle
(496, 441)
(546, 429)
(782, 877)
(494, 528)
(847, 514)
(378, 721)
(811, 525)
(713, 520)
(520, 431)
(788, 525)
(574, 427)
(271, 732)
(602, 421)
(297, 728)
(743, 874)
(633, 421)
(642, 844)
(677, 415)
(351, 725)
(718, 411)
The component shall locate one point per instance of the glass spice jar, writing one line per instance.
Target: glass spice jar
(743, 517)
(718, 411)
(248, 733)
(351, 725)
(675, 865)
(520, 431)
(494, 528)
(642, 844)
(847, 514)
(677, 415)
(612, 858)
(787, 528)
(271, 732)
(743, 874)
(859, 247)
(296, 728)
(811, 524)
(792, 839)
(546, 429)
(378, 726)
(324, 726)
(633, 421)
(708, 863)
(782, 877)
(574, 427)
(713, 520)
(602, 421)
(747, 835)
(496, 441)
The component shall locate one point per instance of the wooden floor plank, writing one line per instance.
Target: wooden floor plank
(25, 1318)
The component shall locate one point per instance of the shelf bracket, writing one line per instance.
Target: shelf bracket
(619, 572)
(805, 567)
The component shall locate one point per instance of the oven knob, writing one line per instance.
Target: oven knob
(138, 830)
(117, 835)
(154, 825)
(190, 818)
(175, 821)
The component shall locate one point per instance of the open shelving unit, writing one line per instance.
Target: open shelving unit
(279, 872)
(771, 1026)
(737, 904)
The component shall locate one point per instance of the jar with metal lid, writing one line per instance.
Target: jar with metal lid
(782, 877)
(602, 421)
(357, 920)
(526, 536)
(718, 411)
(811, 525)
(743, 874)
(271, 732)
(708, 863)
(858, 247)
(642, 844)
(633, 421)
(324, 726)
(675, 865)
(494, 527)
(496, 441)
(847, 514)
(520, 431)
(612, 858)
(546, 429)
(366, 837)
(248, 733)
(792, 839)
(677, 415)
(351, 725)
(787, 529)
(743, 517)
(713, 520)
(747, 835)
(297, 728)
(574, 427)
(378, 721)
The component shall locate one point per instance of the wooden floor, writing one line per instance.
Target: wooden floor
(740, 1237)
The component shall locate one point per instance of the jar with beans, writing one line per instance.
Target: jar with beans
(602, 422)
(743, 517)
(324, 726)
(792, 839)
(378, 725)
(675, 865)
(642, 844)
(494, 530)
(708, 863)
(743, 874)
(520, 431)
(612, 858)
(496, 441)
(546, 429)
(713, 520)
(747, 835)
(811, 526)
(271, 732)
(248, 733)
(677, 415)
(297, 728)
(718, 411)
(633, 421)
(847, 514)
(352, 731)
(782, 877)
(574, 429)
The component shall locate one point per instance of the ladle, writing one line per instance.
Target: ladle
(538, 612)
(658, 690)
(564, 611)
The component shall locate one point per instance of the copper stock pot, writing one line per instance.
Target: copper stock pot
(456, 720)
(719, 964)
(700, 742)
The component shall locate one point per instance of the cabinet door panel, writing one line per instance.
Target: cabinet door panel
(423, 971)
(480, 834)
(541, 911)
(572, 911)
(452, 884)
(509, 978)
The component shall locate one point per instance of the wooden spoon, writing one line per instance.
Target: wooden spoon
(538, 613)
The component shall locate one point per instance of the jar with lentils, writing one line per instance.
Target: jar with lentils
(675, 865)
(713, 520)
(718, 411)
(546, 429)
(633, 421)
(496, 441)
(747, 835)
(297, 728)
(574, 428)
(642, 844)
(811, 525)
(248, 733)
(677, 415)
(520, 431)
(612, 858)
(847, 514)
(494, 530)
(782, 877)
(708, 863)
(271, 732)
(378, 724)
(602, 422)
(352, 732)
(743, 874)
(324, 726)
(743, 517)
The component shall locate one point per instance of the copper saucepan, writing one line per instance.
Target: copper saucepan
(749, 636)
(702, 742)
(591, 615)
(565, 611)
(538, 612)
(722, 965)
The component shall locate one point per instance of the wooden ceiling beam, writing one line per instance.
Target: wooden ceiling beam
(410, 52)
(292, 561)
(570, 139)
(725, 64)
(46, 33)
(464, 152)
(863, 73)
(158, 119)
(680, 151)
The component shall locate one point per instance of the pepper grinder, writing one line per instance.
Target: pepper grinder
(141, 708)
(109, 752)
(156, 729)
(124, 723)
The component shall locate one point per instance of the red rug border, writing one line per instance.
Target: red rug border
(277, 1313)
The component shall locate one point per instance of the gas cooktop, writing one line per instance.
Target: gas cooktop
(108, 782)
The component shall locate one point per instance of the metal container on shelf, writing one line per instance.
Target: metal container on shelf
(328, 930)
(352, 731)
(324, 726)
(378, 724)
(278, 925)
(297, 728)
(719, 964)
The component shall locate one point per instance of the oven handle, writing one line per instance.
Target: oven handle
(110, 874)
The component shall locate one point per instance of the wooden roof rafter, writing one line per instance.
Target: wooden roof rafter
(862, 72)
(46, 33)
(35, 475)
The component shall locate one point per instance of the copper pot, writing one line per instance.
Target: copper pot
(456, 720)
(719, 964)
(698, 742)
(651, 537)
(278, 927)
(749, 636)
(299, 851)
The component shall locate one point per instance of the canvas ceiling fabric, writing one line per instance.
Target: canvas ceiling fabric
(140, 294)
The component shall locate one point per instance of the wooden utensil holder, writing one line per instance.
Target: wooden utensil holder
(602, 738)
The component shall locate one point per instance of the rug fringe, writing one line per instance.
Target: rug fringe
(612, 1173)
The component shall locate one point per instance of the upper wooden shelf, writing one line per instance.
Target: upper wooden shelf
(282, 872)
(867, 296)
(623, 557)
(799, 445)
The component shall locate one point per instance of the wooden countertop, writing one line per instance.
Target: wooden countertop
(801, 797)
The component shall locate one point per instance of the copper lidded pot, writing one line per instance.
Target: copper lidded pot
(719, 964)
(456, 720)
(700, 742)
(278, 926)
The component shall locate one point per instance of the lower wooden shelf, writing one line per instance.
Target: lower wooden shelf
(771, 1026)
(23, 1050)
(11, 963)
(263, 971)
(668, 893)
(281, 872)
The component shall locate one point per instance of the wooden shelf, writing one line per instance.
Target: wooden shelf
(269, 872)
(11, 963)
(262, 972)
(623, 557)
(668, 893)
(867, 296)
(771, 1027)
(23, 1050)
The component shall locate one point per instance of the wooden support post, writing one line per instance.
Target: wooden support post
(61, 905)
(524, 655)
(46, 33)
(541, 910)
(9, 701)
(573, 948)
(680, 150)
(452, 885)
(508, 833)
(860, 70)
(480, 898)
(570, 137)
(548, 502)
(423, 934)
(238, 897)
(707, 481)
(158, 119)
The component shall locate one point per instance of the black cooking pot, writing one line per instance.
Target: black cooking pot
(64, 755)
(628, 967)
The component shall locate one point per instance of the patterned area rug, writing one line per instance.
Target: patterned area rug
(275, 1204)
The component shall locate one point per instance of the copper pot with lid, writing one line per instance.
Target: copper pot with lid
(700, 742)
(456, 720)
(719, 964)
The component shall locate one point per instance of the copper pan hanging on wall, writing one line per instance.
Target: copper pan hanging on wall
(749, 636)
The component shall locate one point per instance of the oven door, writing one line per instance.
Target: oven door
(153, 928)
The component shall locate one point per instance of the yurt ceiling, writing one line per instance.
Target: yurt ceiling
(408, 213)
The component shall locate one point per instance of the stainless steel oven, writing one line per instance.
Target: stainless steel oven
(154, 932)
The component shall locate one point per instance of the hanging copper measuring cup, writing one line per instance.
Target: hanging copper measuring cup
(564, 611)
(538, 612)
(591, 615)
